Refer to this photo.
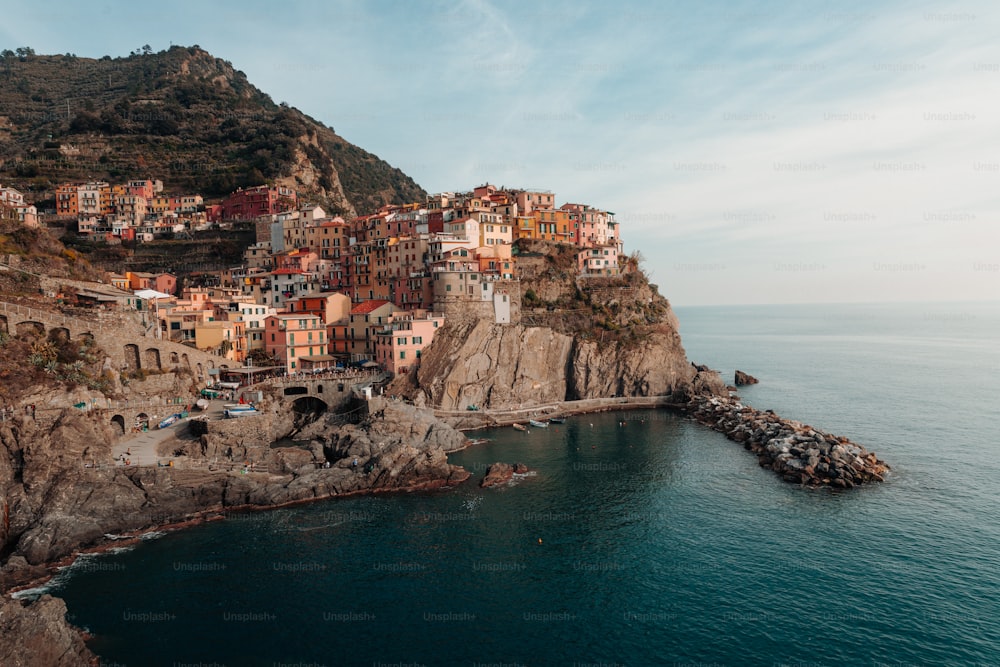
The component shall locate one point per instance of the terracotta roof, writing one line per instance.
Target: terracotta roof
(366, 307)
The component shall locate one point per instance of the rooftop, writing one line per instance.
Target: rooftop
(369, 306)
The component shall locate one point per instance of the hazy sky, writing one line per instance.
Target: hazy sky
(753, 152)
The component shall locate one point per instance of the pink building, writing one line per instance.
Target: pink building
(297, 340)
(165, 282)
(398, 347)
(598, 261)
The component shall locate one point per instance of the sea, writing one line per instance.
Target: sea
(637, 538)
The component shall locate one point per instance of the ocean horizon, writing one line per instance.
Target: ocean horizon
(638, 538)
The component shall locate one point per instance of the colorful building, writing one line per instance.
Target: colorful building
(398, 347)
(297, 340)
(257, 201)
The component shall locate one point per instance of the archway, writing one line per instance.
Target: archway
(132, 357)
(307, 409)
(30, 328)
(152, 358)
(119, 421)
(59, 334)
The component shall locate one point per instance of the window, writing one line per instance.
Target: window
(402, 354)
(400, 341)
(417, 340)
(291, 339)
(272, 338)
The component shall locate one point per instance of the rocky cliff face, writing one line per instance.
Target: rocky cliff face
(502, 367)
(576, 340)
(52, 505)
(37, 634)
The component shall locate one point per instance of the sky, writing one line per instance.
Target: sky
(806, 152)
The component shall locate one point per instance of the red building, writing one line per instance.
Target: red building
(253, 202)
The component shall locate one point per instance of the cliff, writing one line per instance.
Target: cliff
(500, 367)
(576, 339)
(36, 633)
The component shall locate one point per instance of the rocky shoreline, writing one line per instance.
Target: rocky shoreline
(402, 448)
(797, 452)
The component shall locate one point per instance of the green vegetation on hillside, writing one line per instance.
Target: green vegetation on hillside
(179, 115)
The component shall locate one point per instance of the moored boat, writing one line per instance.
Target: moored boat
(519, 427)
(246, 411)
(557, 420)
(535, 422)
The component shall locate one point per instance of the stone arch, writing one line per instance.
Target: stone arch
(201, 372)
(175, 360)
(30, 328)
(59, 334)
(308, 408)
(3, 324)
(86, 338)
(319, 388)
(132, 357)
(152, 359)
(119, 421)
(186, 363)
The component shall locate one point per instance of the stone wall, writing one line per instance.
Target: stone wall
(122, 335)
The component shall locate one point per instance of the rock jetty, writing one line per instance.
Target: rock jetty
(797, 452)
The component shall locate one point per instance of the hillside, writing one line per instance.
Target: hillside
(183, 116)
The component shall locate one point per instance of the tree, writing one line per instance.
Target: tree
(146, 49)
(24, 52)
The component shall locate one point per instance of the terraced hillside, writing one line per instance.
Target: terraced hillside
(183, 116)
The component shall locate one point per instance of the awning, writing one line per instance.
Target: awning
(317, 358)
(147, 294)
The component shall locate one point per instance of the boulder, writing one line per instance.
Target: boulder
(742, 379)
(497, 473)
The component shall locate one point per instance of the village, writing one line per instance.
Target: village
(316, 291)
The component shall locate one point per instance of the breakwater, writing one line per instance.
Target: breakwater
(795, 451)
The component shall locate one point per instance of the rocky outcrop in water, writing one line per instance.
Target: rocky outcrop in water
(795, 451)
(36, 634)
(501, 473)
(742, 379)
(496, 474)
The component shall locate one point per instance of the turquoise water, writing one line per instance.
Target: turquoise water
(649, 543)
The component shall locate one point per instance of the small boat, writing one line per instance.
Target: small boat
(557, 420)
(519, 427)
(233, 413)
(169, 421)
(201, 404)
(539, 424)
